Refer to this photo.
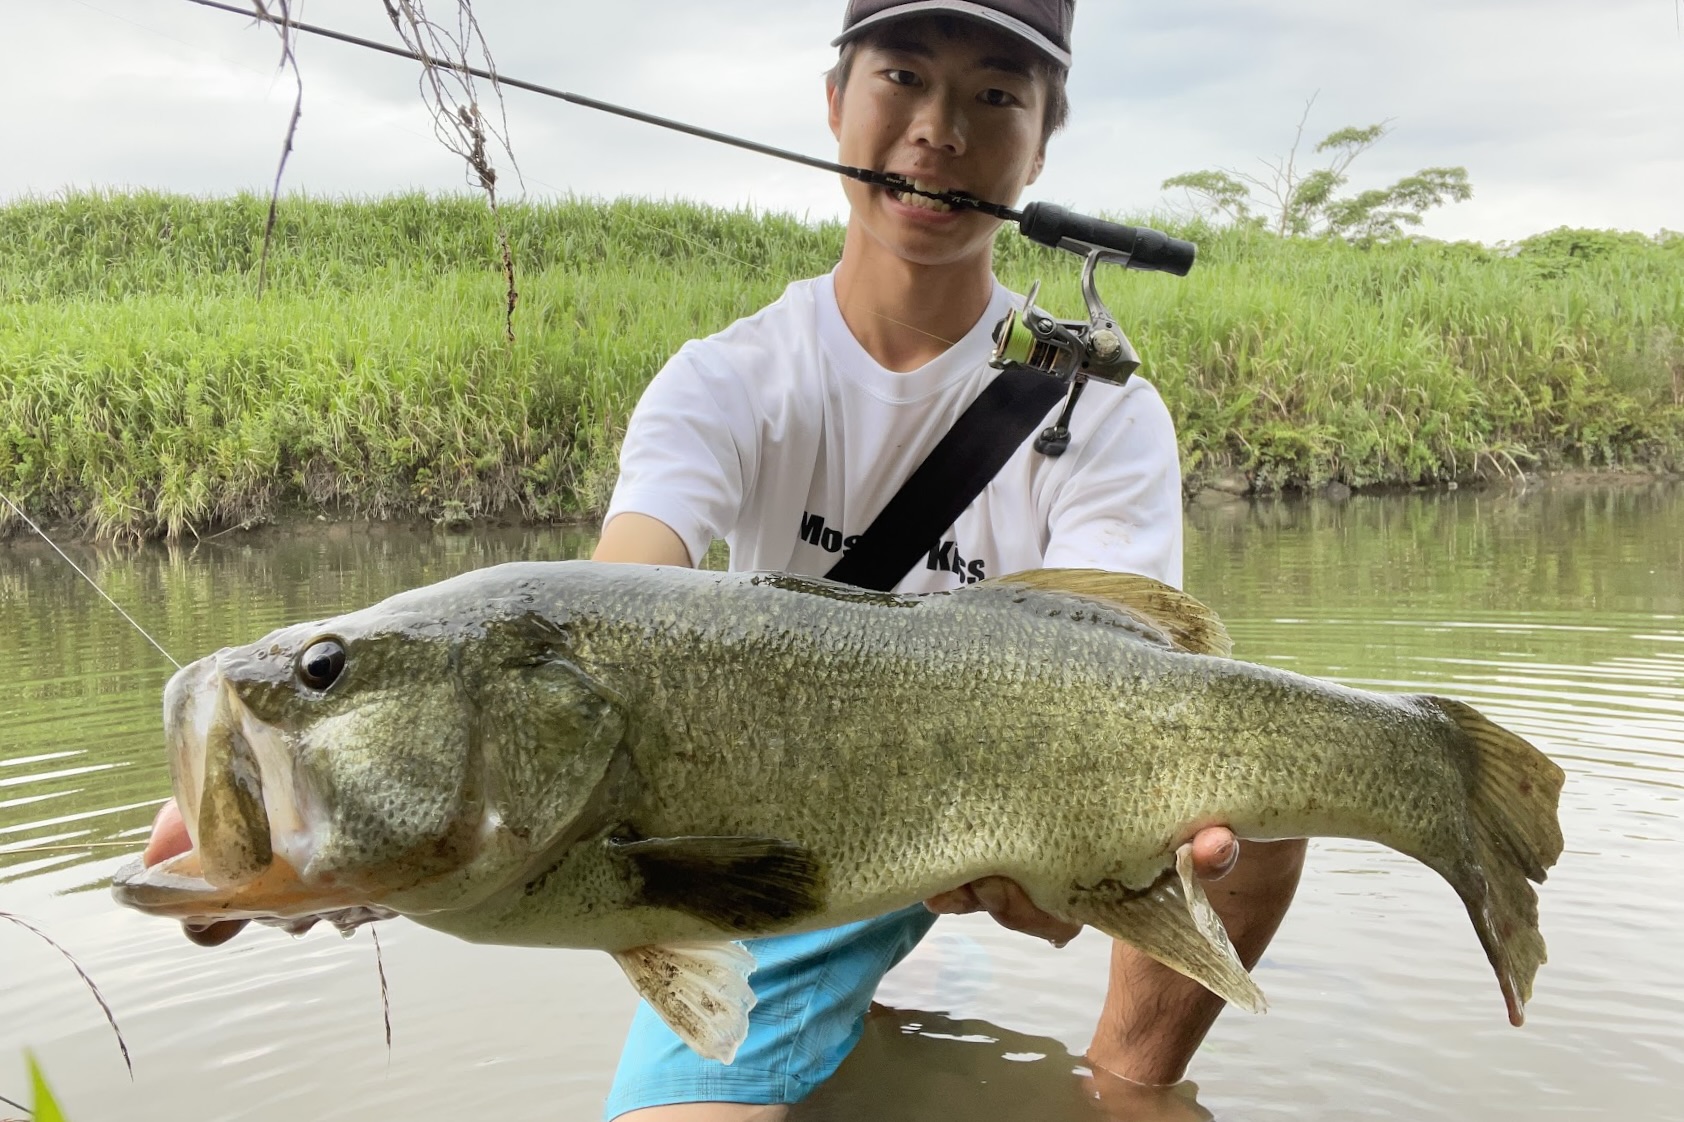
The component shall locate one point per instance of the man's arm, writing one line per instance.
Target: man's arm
(1215, 850)
(1121, 510)
(641, 540)
(1154, 1018)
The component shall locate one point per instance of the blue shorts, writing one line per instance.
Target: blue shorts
(811, 991)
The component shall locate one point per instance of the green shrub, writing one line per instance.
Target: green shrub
(145, 390)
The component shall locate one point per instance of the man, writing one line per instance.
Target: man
(785, 435)
(788, 432)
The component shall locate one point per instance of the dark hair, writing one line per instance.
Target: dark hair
(1055, 112)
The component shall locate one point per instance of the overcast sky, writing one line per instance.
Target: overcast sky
(1564, 112)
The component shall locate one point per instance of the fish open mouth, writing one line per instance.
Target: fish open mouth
(250, 840)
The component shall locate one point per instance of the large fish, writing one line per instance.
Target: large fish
(657, 761)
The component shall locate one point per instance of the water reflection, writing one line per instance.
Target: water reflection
(80, 758)
(1559, 613)
(920, 1066)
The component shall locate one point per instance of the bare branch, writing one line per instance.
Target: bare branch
(454, 99)
(1290, 184)
(385, 996)
(111, 1019)
(289, 61)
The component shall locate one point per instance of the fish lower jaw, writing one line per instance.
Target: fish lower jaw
(177, 889)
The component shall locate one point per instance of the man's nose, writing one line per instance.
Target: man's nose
(940, 123)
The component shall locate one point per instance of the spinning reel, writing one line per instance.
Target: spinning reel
(1076, 351)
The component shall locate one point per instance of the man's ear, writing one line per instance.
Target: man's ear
(1035, 168)
(833, 99)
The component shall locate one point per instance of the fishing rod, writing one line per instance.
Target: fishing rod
(1071, 350)
(1050, 225)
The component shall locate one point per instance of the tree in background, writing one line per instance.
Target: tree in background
(1297, 203)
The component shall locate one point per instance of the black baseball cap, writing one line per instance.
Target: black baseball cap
(1043, 24)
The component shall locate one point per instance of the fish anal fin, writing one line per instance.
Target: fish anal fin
(1185, 622)
(747, 885)
(700, 990)
(1174, 923)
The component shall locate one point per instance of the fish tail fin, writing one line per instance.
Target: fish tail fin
(1514, 792)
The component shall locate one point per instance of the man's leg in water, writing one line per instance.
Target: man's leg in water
(812, 991)
(1154, 1018)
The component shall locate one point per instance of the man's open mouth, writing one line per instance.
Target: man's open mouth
(921, 201)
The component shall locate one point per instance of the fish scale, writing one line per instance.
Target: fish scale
(656, 761)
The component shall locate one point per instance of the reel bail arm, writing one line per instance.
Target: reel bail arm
(1071, 350)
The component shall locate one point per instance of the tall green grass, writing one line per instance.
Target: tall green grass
(144, 389)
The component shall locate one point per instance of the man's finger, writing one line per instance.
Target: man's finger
(169, 838)
(169, 835)
(213, 934)
(1011, 907)
(1215, 852)
(960, 901)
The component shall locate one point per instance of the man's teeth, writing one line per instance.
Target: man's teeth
(910, 199)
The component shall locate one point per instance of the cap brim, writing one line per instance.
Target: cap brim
(978, 12)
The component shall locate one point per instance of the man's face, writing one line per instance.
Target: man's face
(962, 113)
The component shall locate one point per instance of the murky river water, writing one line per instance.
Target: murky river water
(1559, 613)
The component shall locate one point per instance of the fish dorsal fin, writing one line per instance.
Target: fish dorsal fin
(700, 990)
(1184, 621)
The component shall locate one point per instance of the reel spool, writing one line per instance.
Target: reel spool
(1071, 350)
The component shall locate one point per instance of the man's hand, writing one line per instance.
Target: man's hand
(169, 837)
(1215, 850)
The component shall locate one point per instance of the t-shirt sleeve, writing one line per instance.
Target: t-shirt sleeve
(688, 455)
(1120, 508)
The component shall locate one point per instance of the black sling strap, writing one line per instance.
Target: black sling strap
(950, 478)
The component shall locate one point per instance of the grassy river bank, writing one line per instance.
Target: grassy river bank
(145, 389)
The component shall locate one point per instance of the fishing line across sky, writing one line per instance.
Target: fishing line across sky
(1564, 113)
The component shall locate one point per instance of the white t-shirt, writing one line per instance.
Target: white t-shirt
(783, 436)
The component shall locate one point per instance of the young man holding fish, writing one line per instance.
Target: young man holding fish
(788, 432)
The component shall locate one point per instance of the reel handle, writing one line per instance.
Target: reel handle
(1148, 249)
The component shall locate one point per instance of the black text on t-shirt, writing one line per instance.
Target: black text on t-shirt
(943, 558)
(827, 538)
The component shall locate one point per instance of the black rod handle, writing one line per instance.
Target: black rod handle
(1149, 249)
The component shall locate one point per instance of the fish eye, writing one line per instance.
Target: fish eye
(321, 663)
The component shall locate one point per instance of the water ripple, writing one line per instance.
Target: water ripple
(1382, 1004)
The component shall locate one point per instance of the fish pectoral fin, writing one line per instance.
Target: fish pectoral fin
(700, 990)
(748, 885)
(1182, 621)
(1174, 923)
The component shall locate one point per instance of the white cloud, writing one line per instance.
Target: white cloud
(1563, 112)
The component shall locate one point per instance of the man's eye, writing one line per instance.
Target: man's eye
(901, 77)
(998, 97)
